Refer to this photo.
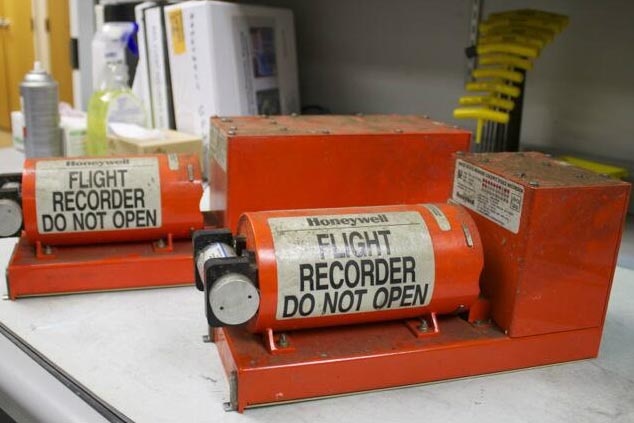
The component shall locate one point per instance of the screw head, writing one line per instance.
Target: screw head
(283, 341)
(231, 132)
(533, 183)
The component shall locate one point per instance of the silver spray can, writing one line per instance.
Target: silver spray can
(39, 96)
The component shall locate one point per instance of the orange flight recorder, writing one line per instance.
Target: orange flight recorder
(515, 271)
(103, 223)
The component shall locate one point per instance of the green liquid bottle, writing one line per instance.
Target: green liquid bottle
(113, 102)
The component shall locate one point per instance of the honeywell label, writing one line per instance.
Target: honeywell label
(78, 195)
(488, 194)
(352, 263)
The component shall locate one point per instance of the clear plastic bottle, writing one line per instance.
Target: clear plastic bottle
(113, 102)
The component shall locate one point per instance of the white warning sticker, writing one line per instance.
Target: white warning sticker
(488, 194)
(78, 195)
(352, 263)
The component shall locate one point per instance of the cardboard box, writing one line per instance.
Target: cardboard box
(172, 142)
(300, 162)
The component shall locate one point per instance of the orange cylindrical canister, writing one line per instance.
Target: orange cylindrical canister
(331, 267)
(90, 200)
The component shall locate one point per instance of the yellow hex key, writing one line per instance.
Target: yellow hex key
(504, 74)
(507, 60)
(544, 36)
(512, 38)
(493, 87)
(546, 25)
(510, 48)
(480, 114)
(531, 13)
(486, 100)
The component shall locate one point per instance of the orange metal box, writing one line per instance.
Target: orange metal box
(550, 233)
(300, 162)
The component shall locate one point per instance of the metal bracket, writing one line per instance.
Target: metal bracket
(232, 405)
(164, 245)
(424, 326)
(277, 344)
(475, 15)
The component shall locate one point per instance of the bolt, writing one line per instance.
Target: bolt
(224, 119)
(231, 132)
(161, 243)
(521, 174)
(294, 115)
(424, 326)
(206, 339)
(283, 341)
(533, 183)
(48, 250)
(460, 153)
(398, 131)
(425, 116)
(325, 131)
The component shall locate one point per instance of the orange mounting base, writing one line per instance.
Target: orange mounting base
(69, 269)
(345, 360)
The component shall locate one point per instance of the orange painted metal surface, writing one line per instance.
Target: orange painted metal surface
(350, 359)
(555, 273)
(454, 239)
(106, 267)
(302, 162)
(180, 186)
